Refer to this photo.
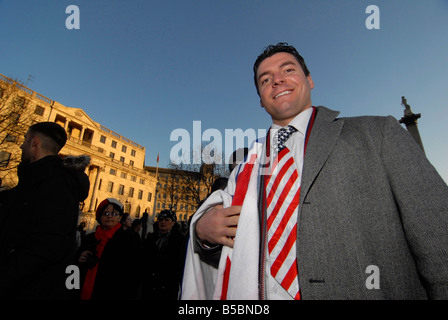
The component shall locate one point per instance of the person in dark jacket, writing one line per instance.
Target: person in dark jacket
(135, 232)
(163, 259)
(106, 253)
(38, 217)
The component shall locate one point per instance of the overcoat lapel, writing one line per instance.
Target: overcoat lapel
(323, 137)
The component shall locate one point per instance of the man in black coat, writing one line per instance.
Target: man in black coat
(163, 259)
(38, 217)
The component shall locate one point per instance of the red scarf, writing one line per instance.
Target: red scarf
(103, 236)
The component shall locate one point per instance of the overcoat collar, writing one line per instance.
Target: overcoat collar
(323, 138)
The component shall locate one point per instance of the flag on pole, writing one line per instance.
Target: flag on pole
(157, 158)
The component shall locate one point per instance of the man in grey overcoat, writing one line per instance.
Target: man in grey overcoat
(372, 218)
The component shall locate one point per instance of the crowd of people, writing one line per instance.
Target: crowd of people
(153, 263)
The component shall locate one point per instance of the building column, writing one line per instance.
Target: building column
(95, 188)
(81, 134)
(410, 121)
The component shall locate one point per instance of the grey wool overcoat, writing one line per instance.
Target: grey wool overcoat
(373, 213)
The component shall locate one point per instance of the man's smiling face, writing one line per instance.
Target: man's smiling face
(284, 89)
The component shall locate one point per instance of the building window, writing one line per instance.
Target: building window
(142, 181)
(10, 138)
(4, 158)
(20, 101)
(111, 155)
(114, 144)
(124, 175)
(39, 110)
(131, 163)
(133, 153)
(103, 139)
(121, 189)
(133, 178)
(150, 196)
(113, 172)
(99, 184)
(14, 118)
(123, 149)
(110, 186)
(121, 159)
(140, 194)
(131, 192)
(127, 207)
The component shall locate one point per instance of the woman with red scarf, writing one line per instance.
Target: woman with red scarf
(105, 253)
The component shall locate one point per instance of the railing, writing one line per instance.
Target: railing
(43, 98)
(49, 101)
(126, 165)
(121, 137)
(25, 89)
(103, 152)
(85, 144)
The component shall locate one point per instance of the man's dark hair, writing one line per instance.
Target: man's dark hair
(53, 131)
(167, 214)
(136, 222)
(237, 156)
(273, 49)
(219, 184)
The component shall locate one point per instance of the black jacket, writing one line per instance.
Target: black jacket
(38, 221)
(163, 265)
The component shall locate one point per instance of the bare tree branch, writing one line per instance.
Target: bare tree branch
(16, 116)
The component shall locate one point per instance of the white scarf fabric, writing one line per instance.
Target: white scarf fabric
(202, 281)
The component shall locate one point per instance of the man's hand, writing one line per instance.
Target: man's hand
(218, 225)
(84, 256)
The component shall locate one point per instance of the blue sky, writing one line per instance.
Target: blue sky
(144, 68)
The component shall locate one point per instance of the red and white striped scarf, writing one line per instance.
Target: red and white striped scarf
(237, 276)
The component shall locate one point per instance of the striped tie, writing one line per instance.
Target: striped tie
(283, 192)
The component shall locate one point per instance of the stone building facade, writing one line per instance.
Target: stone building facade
(116, 163)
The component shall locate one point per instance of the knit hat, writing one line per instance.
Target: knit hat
(114, 202)
(167, 214)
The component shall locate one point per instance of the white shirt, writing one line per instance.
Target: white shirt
(295, 143)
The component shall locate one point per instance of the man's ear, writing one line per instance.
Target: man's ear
(35, 141)
(310, 81)
(261, 104)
